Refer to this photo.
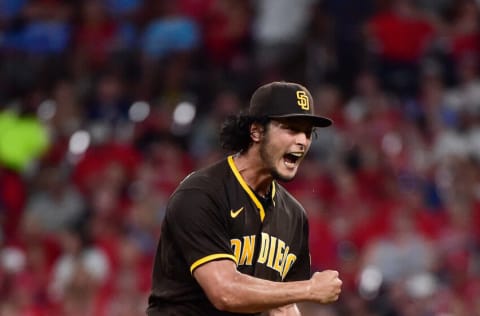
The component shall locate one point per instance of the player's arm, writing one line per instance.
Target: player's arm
(230, 290)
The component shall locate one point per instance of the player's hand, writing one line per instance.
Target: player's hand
(325, 286)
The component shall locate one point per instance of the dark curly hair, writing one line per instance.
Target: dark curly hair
(235, 132)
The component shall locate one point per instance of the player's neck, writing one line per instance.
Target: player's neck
(252, 171)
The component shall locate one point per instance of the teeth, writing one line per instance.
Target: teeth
(298, 155)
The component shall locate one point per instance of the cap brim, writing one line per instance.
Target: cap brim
(317, 121)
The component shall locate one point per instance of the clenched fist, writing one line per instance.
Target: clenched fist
(325, 286)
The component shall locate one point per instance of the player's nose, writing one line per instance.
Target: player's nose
(301, 139)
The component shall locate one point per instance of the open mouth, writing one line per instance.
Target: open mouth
(291, 159)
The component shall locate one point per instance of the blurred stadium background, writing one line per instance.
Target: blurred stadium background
(106, 105)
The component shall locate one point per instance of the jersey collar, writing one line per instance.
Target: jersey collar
(247, 189)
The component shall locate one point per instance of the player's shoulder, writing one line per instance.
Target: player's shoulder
(204, 187)
(206, 178)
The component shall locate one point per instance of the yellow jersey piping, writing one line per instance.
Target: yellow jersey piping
(247, 189)
(208, 258)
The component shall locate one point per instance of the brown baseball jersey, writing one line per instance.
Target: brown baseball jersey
(215, 215)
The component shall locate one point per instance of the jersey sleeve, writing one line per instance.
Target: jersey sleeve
(301, 268)
(198, 227)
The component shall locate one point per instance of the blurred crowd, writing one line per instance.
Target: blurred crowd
(105, 105)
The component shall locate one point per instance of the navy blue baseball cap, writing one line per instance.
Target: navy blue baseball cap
(281, 99)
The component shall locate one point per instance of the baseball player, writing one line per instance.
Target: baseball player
(234, 241)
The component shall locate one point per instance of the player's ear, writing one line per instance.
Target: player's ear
(256, 131)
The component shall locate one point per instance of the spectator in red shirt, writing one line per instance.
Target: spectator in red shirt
(399, 37)
(96, 37)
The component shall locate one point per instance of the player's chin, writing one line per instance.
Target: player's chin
(285, 175)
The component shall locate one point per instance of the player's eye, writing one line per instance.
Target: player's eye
(299, 129)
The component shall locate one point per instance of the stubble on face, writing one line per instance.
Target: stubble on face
(268, 158)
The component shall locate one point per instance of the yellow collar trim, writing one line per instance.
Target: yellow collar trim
(247, 189)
